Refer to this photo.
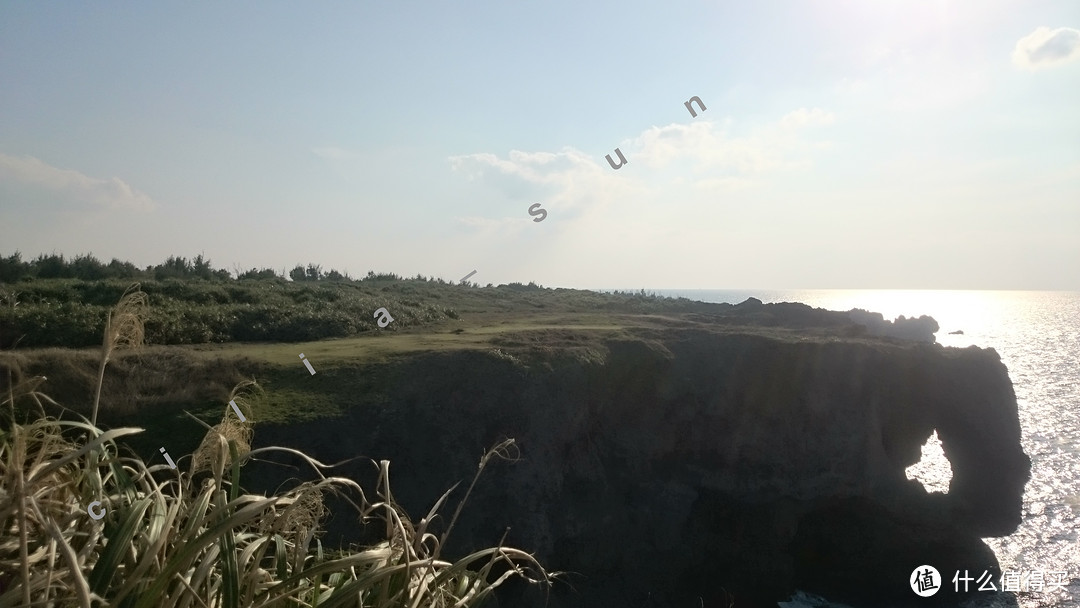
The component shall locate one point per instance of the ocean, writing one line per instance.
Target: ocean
(1037, 335)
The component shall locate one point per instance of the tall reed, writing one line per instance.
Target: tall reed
(125, 326)
(184, 539)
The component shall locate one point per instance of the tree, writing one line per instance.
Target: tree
(314, 272)
(51, 267)
(122, 270)
(297, 274)
(12, 268)
(173, 268)
(201, 268)
(88, 268)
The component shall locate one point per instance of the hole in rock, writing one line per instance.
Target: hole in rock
(933, 470)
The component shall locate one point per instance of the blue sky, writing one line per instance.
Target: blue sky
(845, 144)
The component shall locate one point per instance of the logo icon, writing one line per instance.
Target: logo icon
(536, 209)
(307, 364)
(169, 460)
(385, 319)
(622, 160)
(925, 581)
(238, 412)
(93, 513)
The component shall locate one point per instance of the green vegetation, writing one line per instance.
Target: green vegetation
(72, 312)
(51, 302)
(194, 537)
(206, 335)
(170, 538)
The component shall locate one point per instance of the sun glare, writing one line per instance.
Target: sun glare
(971, 312)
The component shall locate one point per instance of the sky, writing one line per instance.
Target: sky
(916, 144)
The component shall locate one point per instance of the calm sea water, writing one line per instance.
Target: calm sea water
(1037, 335)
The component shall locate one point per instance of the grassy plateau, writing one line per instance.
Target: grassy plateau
(181, 349)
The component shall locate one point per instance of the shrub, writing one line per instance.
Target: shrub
(265, 273)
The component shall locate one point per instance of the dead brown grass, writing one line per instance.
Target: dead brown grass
(125, 328)
(150, 377)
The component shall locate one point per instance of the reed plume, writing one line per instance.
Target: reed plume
(123, 328)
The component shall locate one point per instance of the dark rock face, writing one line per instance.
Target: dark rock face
(689, 466)
(920, 330)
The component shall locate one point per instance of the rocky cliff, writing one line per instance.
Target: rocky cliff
(707, 457)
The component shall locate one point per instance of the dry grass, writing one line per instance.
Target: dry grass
(125, 327)
(135, 381)
(174, 539)
(165, 543)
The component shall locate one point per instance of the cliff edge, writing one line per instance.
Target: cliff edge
(699, 458)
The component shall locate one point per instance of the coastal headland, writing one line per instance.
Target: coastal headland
(685, 456)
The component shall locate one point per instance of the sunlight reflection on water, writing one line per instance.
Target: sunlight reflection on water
(933, 469)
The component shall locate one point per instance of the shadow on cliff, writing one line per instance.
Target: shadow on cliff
(745, 454)
(683, 467)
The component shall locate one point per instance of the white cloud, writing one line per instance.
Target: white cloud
(712, 152)
(1045, 48)
(805, 118)
(569, 178)
(533, 167)
(698, 155)
(679, 179)
(113, 193)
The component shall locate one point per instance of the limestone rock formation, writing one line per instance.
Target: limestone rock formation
(920, 330)
(743, 454)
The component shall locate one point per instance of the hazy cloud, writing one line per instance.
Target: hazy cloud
(712, 152)
(1045, 47)
(563, 176)
(806, 118)
(534, 167)
(492, 225)
(699, 155)
(112, 193)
